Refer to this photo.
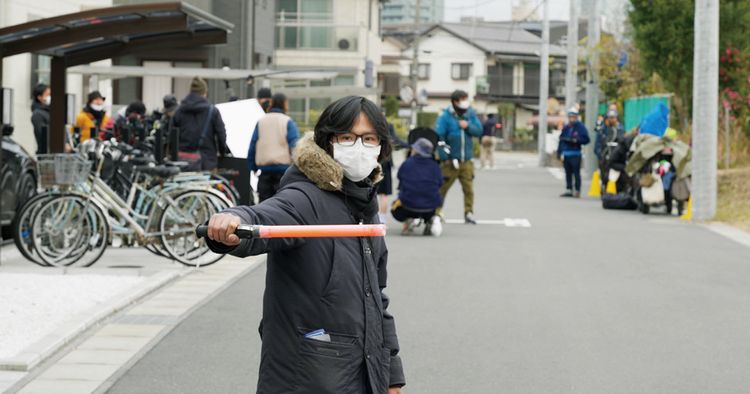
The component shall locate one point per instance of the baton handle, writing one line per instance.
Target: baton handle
(246, 231)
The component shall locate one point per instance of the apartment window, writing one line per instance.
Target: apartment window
(461, 71)
(518, 82)
(344, 80)
(40, 67)
(423, 70)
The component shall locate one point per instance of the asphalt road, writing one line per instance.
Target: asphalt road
(583, 301)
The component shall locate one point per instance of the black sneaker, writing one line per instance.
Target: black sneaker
(469, 218)
(568, 193)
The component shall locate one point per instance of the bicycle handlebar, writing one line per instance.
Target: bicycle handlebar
(246, 231)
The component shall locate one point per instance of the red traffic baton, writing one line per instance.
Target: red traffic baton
(303, 231)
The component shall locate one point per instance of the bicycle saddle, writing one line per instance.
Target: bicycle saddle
(159, 171)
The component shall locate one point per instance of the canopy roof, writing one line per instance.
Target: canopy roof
(103, 33)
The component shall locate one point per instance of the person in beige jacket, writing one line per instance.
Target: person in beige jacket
(271, 146)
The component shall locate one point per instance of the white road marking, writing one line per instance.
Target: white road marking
(507, 222)
(556, 172)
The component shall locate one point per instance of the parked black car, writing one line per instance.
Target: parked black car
(18, 180)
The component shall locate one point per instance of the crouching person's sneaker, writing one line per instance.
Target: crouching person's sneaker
(436, 226)
(469, 218)
(568, 193)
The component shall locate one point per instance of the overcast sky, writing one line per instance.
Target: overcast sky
(499, 9)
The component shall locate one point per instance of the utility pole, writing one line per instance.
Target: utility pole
(571, 69)
(415, 65)
(543, 85)
(592, 87)
(705, 107)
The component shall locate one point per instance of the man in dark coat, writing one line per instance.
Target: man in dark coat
(325, 327)
(197, 133)
(40, 116)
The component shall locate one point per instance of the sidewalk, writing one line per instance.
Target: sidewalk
(48, 310)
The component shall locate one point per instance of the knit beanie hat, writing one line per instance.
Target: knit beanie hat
(198, 85)
(423, 147)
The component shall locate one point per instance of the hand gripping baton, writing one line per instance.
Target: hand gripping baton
(303, 231)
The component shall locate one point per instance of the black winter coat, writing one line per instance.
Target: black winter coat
(190, 118)
(333, 284)
(40, 121)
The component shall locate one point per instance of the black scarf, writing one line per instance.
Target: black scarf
(98, 115)
(459, 111)
(360, 199)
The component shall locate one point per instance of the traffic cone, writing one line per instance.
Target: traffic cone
(688, 214)
(595, 190)
(611, 187)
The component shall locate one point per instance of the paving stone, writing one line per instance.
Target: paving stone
(57, 386)
(93, 372)
(101, 357)
(114, 343)
(130, 330)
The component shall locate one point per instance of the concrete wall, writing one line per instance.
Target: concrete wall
(17, 71)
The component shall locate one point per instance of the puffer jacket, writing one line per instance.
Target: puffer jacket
(335, 284)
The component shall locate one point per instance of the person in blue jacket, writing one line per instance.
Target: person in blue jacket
(458, 125)
(419, 181)
(573, 136)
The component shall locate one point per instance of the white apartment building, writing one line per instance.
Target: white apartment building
(22, 72)
(340, 36)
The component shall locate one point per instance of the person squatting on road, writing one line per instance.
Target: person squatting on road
(458, 125)
(271, 146)
(326, 327)
(573, 136)
(419, 181)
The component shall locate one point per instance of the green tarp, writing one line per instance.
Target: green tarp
(637, 108)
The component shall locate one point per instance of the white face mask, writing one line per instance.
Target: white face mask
(97, 107)
(357, 160)
(464, 104)
(47, 100)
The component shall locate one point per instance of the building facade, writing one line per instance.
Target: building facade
(336, 36)
(404, 11)
(22, 72)
(493, 62)
(249, 46)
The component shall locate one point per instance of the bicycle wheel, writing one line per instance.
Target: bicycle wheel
(69, 230)
(226, 188)
(22, 227)
(179, 220)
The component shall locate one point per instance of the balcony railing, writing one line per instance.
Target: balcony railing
(317, 38)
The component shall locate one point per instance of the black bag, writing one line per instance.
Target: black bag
(619, 201)
(193, 158)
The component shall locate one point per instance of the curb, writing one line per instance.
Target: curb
(730, 232)
(76, 325)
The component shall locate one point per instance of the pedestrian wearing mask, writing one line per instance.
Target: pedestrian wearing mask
(264, 99)
(458, 125)
(326, 326)
(40, 116)
(93, 117)
(574, 135)
(271, 146)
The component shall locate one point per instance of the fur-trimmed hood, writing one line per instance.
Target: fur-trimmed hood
(320, 168)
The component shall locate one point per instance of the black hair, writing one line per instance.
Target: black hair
(339, 117)
(137, 107)
(39, 90)
(278, 100)
(264, 93)
(458, 94)
(490, 115)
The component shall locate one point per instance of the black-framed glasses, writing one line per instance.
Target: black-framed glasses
(371, 140)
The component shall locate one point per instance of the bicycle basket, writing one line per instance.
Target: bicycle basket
(62, 169)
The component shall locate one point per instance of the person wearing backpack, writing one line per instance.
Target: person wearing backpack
(202, 137)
